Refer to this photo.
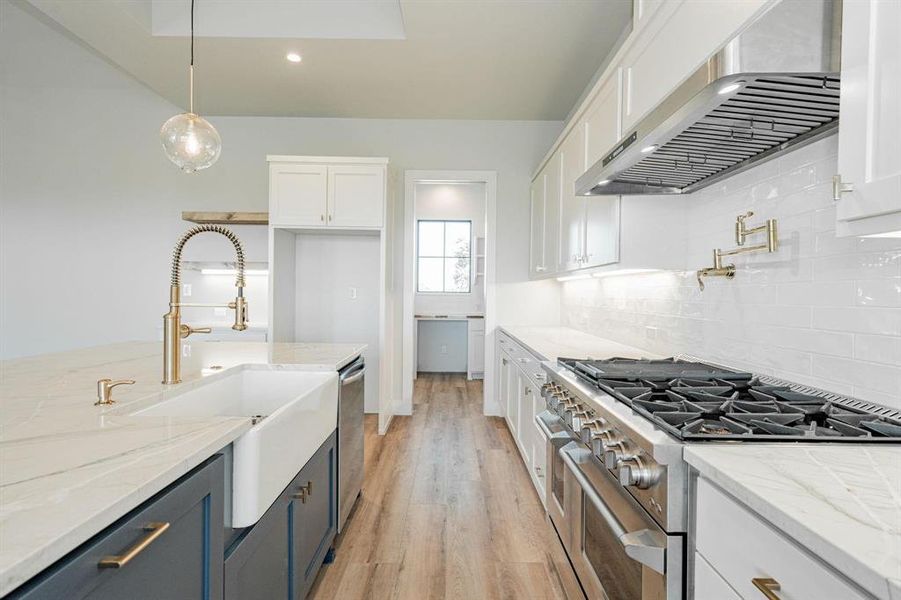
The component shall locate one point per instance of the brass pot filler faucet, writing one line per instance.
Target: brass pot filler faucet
(741, 233)
(173, 329)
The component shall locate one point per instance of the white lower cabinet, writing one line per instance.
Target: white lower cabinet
(708, 583)
(519, 394)
(747, 555)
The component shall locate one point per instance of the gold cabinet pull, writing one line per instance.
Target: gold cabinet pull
(154, 530)
(303, 492)
(768, 587)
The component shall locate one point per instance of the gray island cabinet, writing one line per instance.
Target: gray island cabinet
(281, 554)
(169, 547)
(173, 545)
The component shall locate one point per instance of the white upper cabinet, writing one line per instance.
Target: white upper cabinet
(572, 207)
(355, 196)
(869, 154)
(552, 197)
(676, 39)
(603, 118)
(602, 130)
(536, 245)
(297, 194)
(309, 192)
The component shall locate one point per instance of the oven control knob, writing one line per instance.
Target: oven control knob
(638, 472)
(579, 418)
(591, 428)
(602, 438)
(615, 453)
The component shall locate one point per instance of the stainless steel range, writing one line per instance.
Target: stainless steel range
(618, 487)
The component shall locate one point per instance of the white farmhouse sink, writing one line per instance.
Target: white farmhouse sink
(299, 410)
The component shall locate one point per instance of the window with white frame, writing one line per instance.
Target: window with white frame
(443, 256)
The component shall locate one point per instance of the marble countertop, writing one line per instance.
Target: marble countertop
(69, 468)
(842, 503)
(553, 342)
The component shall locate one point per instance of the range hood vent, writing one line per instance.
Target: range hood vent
(773, 88)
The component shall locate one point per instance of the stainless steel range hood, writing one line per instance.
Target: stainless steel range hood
(772, 88)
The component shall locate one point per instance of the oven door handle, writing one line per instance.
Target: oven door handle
(540, 422)
(645, 546)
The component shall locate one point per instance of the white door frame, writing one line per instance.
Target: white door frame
(489, 178)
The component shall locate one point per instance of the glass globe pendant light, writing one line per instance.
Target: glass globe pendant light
(189, 140)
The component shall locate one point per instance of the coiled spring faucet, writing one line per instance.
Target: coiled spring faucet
(173, 329)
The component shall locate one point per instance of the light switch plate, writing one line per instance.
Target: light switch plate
(186, 290)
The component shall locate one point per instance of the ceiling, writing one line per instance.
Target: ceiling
(453, 59)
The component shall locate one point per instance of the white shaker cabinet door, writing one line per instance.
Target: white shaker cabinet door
(552, 214)
(603, 119)
(537, 266)
(297, 195)
(356, 196)
(869, 154)
(572, 207)
(602, 131)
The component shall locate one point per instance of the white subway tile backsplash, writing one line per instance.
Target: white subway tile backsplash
(816, 293)
(878, 292)
(878, 348)
(823, 311)
(885, 321)
(877, 377)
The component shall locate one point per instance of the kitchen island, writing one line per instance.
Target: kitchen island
(69, 468)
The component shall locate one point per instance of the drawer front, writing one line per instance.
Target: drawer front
(178, 539)
(708, 583)
(742, 547)
(528, 363)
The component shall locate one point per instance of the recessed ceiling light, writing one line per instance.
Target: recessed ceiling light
(648, 149)
(729, 88)
(293, 57)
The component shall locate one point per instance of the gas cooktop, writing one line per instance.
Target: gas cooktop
(697, 401)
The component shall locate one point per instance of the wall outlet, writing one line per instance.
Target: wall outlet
(186, 290)
(443, 349)
(353, 293)
(186, 350)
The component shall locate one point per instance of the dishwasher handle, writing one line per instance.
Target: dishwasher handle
(353, 372)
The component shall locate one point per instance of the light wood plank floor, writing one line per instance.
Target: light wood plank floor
(448, 510)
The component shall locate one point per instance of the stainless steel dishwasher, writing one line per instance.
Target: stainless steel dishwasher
(350, 437)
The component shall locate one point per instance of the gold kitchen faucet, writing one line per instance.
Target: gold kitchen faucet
(173, 329)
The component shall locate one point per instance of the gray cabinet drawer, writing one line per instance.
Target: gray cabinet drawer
(183, 560)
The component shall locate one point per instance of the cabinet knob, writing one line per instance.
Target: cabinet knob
(839, 187)
(304, 492)
(322, 217)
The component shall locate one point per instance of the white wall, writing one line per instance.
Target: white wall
(822, 311)
(326, 310)
(91, 207)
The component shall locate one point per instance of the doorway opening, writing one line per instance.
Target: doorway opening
(448, 276)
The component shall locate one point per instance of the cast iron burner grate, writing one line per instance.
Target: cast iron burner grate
(698, 401)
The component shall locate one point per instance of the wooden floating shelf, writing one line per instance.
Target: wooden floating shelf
(226, 218)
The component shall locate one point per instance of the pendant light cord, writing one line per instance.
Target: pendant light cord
(191, 68)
